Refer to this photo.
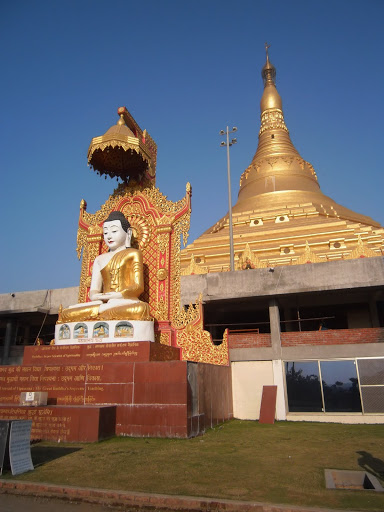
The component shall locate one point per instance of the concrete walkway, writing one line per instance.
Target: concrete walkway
(144, 500)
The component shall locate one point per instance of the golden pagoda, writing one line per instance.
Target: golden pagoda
(281, 216)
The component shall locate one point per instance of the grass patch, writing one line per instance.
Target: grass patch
(282, 463)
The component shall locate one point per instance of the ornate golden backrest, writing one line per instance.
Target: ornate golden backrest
(157, 225)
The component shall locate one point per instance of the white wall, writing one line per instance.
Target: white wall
(248, 379)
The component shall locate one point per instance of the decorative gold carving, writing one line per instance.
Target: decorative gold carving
(272, 119)
(81, 241)
(99, 143)
(162, 274)
(91, 251)
(248, 260)
(308, 256)
(95, 230)
(163, 337)
(272, 161)
(194, 268)
(361, 251)
(244, 176)
(82, 297)
(311, 168)
(59, 313)
(196, 344)
(163, 241)
(288, 160)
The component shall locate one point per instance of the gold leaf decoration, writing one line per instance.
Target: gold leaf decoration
(194, 268)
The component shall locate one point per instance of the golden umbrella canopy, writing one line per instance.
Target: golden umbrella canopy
(124, 151)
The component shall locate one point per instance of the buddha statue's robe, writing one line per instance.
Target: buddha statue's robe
(123, 273)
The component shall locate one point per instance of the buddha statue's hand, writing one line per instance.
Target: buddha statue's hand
(105, 297)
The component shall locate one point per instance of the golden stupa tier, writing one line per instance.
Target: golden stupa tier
(291, 235)
(281, 216)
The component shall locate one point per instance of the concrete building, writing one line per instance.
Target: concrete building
(273, 316)
(28, 316)
(316, 331)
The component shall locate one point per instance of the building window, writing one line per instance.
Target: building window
(371, 373)
(346, 386)
(340, 386)
(303, 386)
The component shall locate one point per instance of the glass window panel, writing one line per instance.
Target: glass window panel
(340, 386)
(373, 398)
(371, 371)
(303, 386)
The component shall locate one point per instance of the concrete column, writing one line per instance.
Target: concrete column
(277, 364)
(274, 320)
(278, 380)
(9, 334)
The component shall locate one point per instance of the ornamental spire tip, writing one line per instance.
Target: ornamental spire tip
(266, 50)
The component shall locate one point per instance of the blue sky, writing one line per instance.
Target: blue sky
(184, 70)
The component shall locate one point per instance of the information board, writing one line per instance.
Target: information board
(4, 427)
(20, 446)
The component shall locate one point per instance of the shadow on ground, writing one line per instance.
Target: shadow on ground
(43, 454)
(371, 464)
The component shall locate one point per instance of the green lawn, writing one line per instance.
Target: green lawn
(282, 463)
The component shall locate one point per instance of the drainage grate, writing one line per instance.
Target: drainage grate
(351, 480)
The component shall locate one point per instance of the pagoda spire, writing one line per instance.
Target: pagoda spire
(268, 72)
(277, 165)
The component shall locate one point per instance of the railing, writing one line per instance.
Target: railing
(240, 331)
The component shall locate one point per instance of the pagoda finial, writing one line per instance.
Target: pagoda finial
(269, 71)
(266, 50)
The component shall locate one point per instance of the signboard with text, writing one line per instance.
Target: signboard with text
(20, 446)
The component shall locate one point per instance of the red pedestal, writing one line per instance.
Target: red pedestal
(100, 353)
(134, 389)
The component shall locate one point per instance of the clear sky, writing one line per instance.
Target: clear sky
(185, 70)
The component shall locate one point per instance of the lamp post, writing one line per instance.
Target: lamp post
(228, 144)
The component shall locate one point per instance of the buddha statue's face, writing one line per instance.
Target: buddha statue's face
(114, 235)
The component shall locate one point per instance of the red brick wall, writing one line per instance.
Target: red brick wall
(291, 339)
(333, 337)
(248, 340)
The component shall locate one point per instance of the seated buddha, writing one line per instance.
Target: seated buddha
(117, 279)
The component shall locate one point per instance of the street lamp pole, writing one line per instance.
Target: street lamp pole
(228, 144)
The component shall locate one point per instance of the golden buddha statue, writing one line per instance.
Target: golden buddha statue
(117, 279)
